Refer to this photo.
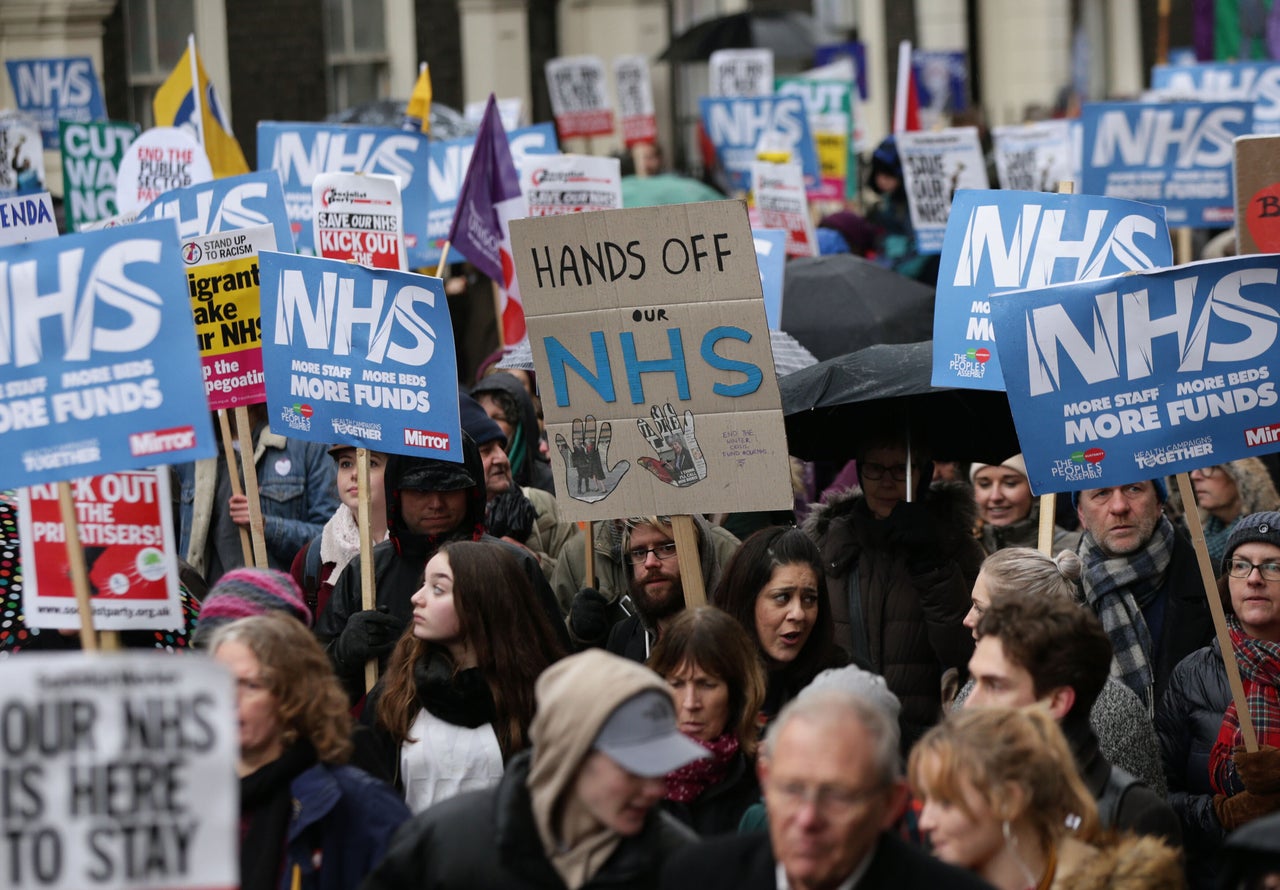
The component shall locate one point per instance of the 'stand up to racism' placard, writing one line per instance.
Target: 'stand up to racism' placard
(1135, 376)
(649, 337)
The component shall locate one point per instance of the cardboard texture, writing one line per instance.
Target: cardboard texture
(1257, 170)
(654, 361)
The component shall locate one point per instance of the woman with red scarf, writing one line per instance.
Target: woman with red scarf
(711, 666)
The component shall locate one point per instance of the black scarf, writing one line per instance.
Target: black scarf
(462, 698)
(266, 807)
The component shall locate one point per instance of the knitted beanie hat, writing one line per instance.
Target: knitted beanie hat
(242, 593)
(1017, 463)
(1256, 527)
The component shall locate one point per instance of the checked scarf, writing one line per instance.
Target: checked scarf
(1259, 663)
(1117, 588)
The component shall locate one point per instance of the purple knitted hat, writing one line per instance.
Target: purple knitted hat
(242, 593)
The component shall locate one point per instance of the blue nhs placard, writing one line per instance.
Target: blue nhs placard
(736, 126)
(57, 89)
(237, 202)
(1256, 82)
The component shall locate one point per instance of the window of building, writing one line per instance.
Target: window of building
(156, 31)
(357, 59)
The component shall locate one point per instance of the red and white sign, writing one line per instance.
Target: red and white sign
(579, 96)
(359, 217)
(160, 160)
(782, 204)
(556, 184)
(740, 73)
(635, 99)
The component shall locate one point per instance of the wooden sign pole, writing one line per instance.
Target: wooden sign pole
(367, 597)
(686, 535)
(589, 544)
(248, 465)
(79, 571)
(229, 451)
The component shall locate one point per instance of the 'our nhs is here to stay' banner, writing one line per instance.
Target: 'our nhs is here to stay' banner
(364, 357)
(1006, 240)
(1136, 376)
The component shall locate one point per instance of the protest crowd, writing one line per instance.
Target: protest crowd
(634, 606)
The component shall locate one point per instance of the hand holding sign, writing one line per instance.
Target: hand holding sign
(587, 474)
(680, 462)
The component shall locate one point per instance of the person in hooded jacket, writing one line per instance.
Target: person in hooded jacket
(505, 399)
(429, 503)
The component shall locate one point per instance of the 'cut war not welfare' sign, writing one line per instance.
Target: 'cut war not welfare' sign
(1131, 377)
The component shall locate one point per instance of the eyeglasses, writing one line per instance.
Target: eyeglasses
(1242, 568)
(875, 472)
(638, 556)
(1208, 472)
(830, 799)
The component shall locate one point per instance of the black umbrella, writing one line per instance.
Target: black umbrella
(841, 303)
(830, 405)
(791, 35)
(446, 123)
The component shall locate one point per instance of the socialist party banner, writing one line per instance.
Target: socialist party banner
(27, 218)
(126, 529)
(1177, 155)
(1126, 378)
(999, 241)
(98, 371)
(223, 281)
(160, 160)
(91, 156)
(223, 205)
(120, 772)
(830, 105)
(579, 96)
(935, 166)
(362, 357)
(737, 126)
(21, 156)
(778, 190)
(1037, 157)
(359, 217)
(570, 184)
(53, 90)
(1254, 82)
(635, 99)
(300, 152)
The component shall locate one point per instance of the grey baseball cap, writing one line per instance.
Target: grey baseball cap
(641, 736)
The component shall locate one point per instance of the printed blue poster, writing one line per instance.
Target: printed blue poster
(237, 202)
(855, 52)
(1175, 154)
(1002, 240)
(364, 357)
(99, 370)
(51, 90)
(1126, 378)
(771, 257)
(1256, 82)
(736, 126)
(942, 84)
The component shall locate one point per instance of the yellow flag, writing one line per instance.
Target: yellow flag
(419, 110)
(178, 105)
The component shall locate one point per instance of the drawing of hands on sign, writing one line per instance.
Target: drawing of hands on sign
(679, 461)
(587, 474)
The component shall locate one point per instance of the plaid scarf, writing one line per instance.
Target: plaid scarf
(1117, 588)
(1259, 662)
(686, 784)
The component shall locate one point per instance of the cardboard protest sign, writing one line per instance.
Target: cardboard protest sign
(120, 773)
(160, 160)
(771, 257)
(1257, 191)
(1035, 157)
(635, 99)
(27, 218)
(1126, 378)
(935, 166)
(558, 184)
(999, 241)
(360, 356)
(223, 281)
(223, 205)
(579, 96)
(740, 72)
(21, 156)
(511, 111)
(301, 152)
(942, 84)
(830, 105)
(778, 190)
(1254, 82)
(1177, 155)
(97, 370)
(91, 156)
(359, 217)
(650, 341)
(737, 126)
(126, 528)
(53, 90)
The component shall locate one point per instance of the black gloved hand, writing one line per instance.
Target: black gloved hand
(589, 615)
(510, 515)
(910, 526)
(369, 634)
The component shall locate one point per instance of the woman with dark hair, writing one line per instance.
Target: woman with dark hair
(710, 664)
(457, 698)
(776, 589)
(307, 820)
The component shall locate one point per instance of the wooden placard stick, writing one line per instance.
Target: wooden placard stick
(497, 312)
(1215, 607)
(365, 521)
(229, 452)
(444, 260)
(690, 563)
(79, 571)
(1049, 501)
(589, 544)
(1182, 245)
(249, 466)
(636, 158)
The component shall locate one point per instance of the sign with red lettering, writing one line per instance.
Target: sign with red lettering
(359, 217)
(160, 160)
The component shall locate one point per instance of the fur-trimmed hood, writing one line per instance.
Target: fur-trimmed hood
(1257, 491)
(1127, 863)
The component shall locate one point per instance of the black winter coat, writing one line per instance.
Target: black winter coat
(719, 809)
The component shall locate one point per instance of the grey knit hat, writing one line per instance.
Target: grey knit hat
(1262, 527)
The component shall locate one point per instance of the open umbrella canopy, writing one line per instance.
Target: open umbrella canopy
(446, 123)
(665, 188)
(791, 35)
(830, 405)
(840, 303)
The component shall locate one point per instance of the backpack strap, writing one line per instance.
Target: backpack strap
(311, 573)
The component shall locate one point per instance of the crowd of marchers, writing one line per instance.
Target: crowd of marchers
(881, 691)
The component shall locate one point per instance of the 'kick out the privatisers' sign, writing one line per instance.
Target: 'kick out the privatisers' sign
(1000, 240)
(936, 165)
(649, 336)
(223, 205)
(126, 528)
(120, 773)
(98, 367)
(781, 202)
(1143, 375)
(558, 184)
(360, 217)
(1176, 154)
(579, 96)
(360, 356)
(91, 156)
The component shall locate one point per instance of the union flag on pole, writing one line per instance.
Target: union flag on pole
(177, 104)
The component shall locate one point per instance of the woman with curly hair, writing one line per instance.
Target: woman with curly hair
(457, 698)
(306, 819)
